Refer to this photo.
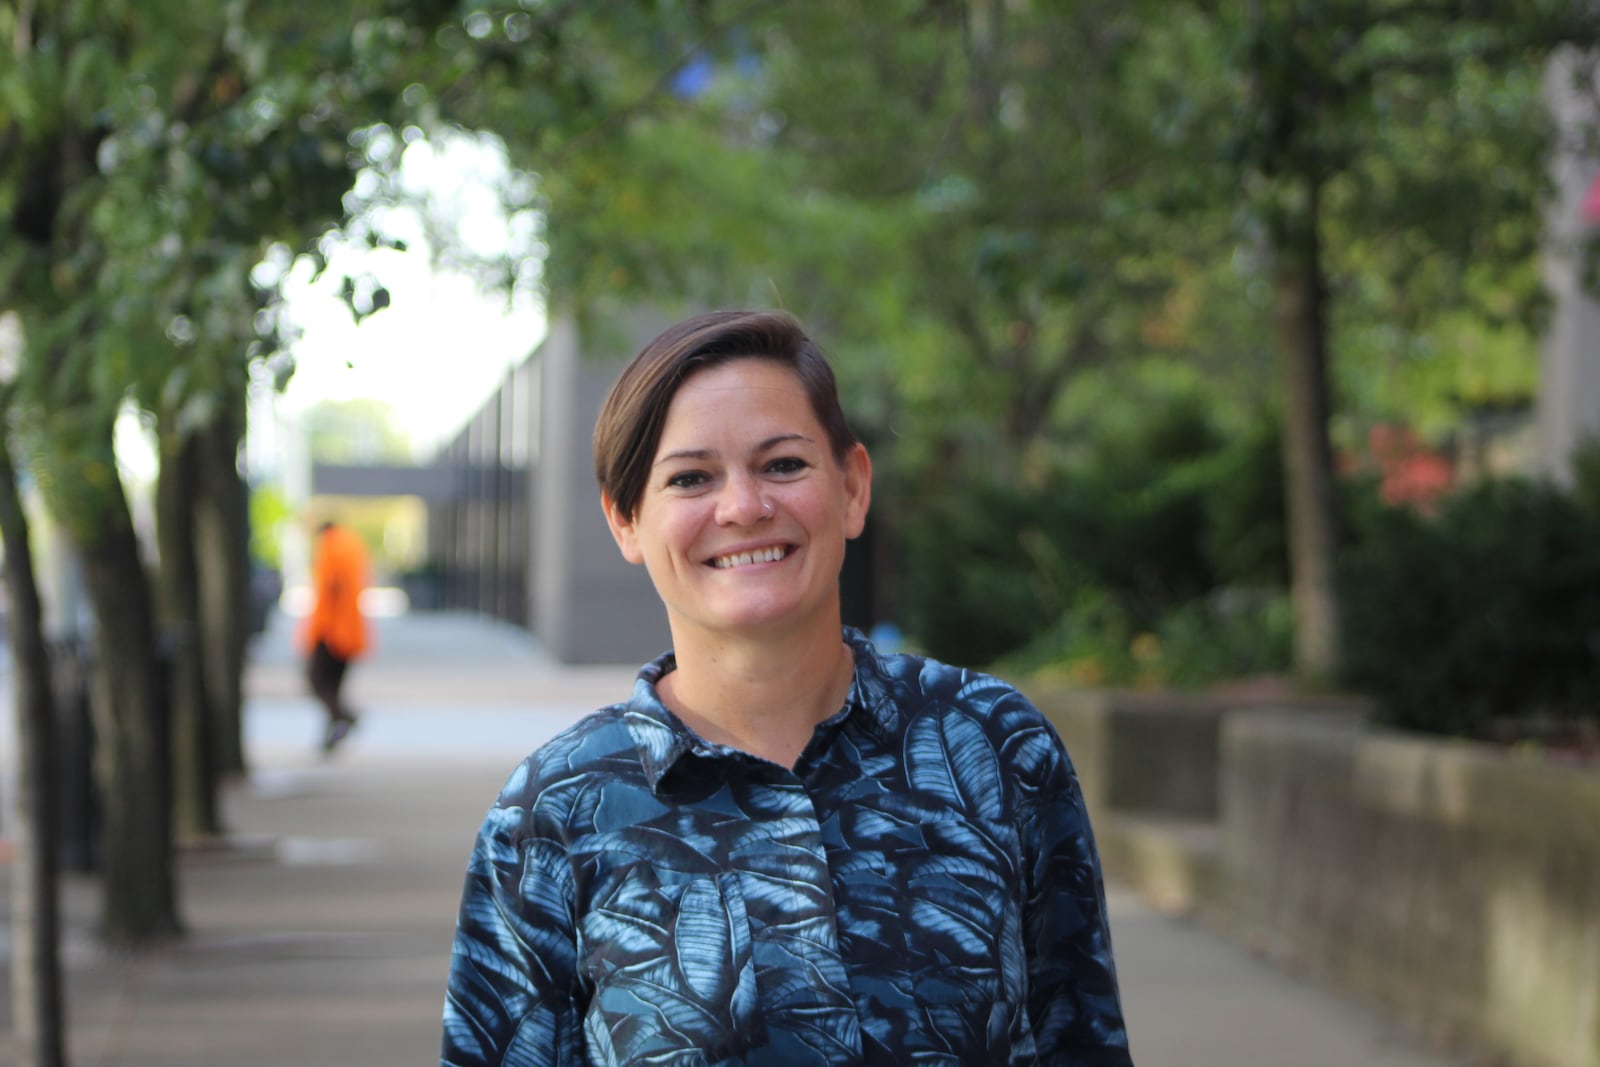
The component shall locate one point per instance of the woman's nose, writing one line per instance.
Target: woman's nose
(741, 503)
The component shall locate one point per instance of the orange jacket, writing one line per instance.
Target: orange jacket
(338, 575)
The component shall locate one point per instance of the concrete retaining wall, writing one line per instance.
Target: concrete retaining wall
(1148, 766)
(1455, 883)
(1147, 754)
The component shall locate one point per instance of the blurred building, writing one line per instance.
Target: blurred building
(514, 527)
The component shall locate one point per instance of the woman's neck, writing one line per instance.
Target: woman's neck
(764, 697)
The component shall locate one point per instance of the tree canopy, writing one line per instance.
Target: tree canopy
(997, 214)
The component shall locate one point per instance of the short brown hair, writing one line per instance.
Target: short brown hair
(628, 431)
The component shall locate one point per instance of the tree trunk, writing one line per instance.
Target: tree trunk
(194, 772)
(78, 472)
(1299, 298)
(222, 550)
(35, 918)
(140, 899)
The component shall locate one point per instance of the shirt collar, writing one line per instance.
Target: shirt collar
(871, 690)
(662, 738)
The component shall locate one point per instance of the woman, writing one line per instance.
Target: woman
(786, 847)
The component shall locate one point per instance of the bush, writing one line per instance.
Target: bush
(1491, 611)
(1233, 633)
(971, 590)
(1094, 643)
(1150, 518)
(1246, 533)
(1586, 475)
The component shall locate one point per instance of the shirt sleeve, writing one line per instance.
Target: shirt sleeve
(1073, 1001)
(510, 999)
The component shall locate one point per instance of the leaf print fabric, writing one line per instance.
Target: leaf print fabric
(922, 887)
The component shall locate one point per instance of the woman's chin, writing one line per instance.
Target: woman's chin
(758, 617)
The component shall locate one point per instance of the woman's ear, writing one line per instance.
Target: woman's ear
(622, 530)
(857, 488)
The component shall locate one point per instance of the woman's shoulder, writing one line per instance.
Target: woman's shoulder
(918, 683)
(927, 694)
(597, 747)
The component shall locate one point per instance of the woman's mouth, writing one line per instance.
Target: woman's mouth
(769, 554)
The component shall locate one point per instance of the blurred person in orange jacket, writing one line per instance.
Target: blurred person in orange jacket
(335, 633)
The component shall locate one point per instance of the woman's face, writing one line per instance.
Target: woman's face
(744, 518)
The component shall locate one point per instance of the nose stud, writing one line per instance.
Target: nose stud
(766, 508)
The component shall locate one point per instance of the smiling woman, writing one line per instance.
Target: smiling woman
(786, 847)
(742, 522)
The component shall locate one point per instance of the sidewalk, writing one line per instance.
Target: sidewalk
(321, 935)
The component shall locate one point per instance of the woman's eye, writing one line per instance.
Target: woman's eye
(787, 465)
(686, 480)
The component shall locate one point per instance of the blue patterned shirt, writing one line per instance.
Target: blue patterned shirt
(921, 888)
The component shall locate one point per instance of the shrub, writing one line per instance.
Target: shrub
(1150, 517)
(1246, 534)
(1232, 633)
(1586, 475)
(1489, 611)
(971, 591)
(1093, 643)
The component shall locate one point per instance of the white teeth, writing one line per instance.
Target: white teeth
(744, 559)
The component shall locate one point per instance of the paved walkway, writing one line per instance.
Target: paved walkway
(321, 934)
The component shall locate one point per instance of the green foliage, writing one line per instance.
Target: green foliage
(1232, 633)
(1226, 635)
(1093, 643)
(972, 589)
(148, 156)
(75, 468)
(999, 216)
(1135, 534)
(355, 431)
(987, 208)
(1244, 533)
(1015, 234)
(1488, 612)
(1036, 219)
(1433, 228)
(1586, 475)
(1386, 140)
(269, 511)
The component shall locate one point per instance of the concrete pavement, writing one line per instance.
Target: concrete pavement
(320, 933)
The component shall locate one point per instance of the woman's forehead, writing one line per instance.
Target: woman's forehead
(742, 402)
(738, 387)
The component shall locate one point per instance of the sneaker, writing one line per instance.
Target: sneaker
(338, 730)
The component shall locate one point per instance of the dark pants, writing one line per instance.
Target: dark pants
(326, 672)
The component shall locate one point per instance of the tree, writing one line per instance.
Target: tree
(148, 155)
(975, 204)
(35, 959)
(1351, 134)
(1019, 231)
(1063, 181)
(1037, 214)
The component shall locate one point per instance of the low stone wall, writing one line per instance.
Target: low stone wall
(1139, 753)
(1455, 883)
(1147, 762)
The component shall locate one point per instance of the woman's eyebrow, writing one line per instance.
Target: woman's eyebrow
(782, 438)
(707, 453)
(684, 453)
